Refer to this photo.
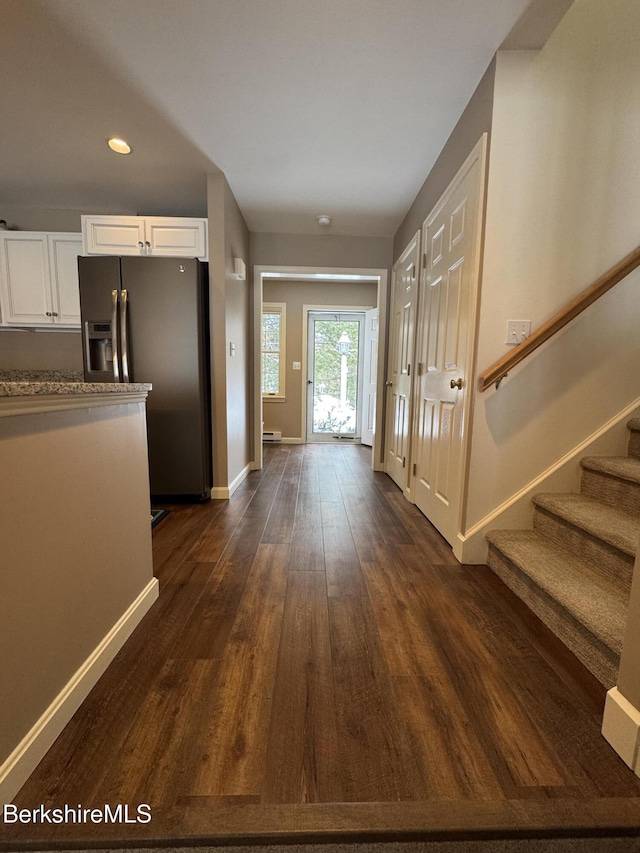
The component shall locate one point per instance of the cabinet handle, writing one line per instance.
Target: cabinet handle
(55, 313)
(148, 245)
(48, 313)
(141, 245)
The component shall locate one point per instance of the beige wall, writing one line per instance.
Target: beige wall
(76, 547)
(41, 350)
(474, 121)
(20, 218)
(323, 250)
(562, 208)
(287, 416)
(230, 322)
(239, 333)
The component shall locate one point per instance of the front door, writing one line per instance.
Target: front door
(404, 298)
(335, 360)
(450, 239)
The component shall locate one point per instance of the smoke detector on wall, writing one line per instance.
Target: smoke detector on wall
(324, 220)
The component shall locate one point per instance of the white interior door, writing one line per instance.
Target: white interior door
(335, 364)
(404, 298)
(370, 376)
(451, 237)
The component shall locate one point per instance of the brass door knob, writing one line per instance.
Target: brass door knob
(456, 383)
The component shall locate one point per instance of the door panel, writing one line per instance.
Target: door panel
(444, 347)
(335, 361)
(370, 376)
(404, 303)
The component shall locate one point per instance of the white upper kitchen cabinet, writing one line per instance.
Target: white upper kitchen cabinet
(39, 278)
(157, 236)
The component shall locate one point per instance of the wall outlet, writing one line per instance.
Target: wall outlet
(518, 331)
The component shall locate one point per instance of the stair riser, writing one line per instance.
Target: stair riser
(611, 490)
(608, 560)
(634, 444)
(598, 659)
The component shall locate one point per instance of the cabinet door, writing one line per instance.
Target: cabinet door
(25, 293)
(113, 235)
(177, 238)
(63, 261)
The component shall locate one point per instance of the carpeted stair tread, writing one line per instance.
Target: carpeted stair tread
(580, 591)
(623, 467)
(611, 525)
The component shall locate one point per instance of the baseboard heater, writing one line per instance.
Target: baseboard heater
(272, 435)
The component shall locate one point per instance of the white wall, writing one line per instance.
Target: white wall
(563, 207)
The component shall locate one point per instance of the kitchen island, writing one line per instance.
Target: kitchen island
(76, 574)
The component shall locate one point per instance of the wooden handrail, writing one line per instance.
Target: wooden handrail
(497, 372)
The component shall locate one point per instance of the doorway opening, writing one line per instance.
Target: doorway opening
(371, 423)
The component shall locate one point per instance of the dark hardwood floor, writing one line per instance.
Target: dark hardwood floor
(319, 665)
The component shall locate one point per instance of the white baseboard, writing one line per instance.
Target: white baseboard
(223, 493)
(563, 476)
(17, 768)
(621, 727)
(220, 493)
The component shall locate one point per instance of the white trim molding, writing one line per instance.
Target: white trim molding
(17, 768)
(621, 727)
(563, 476)
(223, 493)
(39, 404)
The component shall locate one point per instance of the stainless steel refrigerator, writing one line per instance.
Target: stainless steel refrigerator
(147, 320)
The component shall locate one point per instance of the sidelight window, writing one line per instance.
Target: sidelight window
(273, 346)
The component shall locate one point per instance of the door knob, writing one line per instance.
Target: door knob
(388, 383)
(456, 383)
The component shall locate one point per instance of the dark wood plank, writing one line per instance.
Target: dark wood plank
(454, 762)
(301, 762)
(434, 548)
(519, 754)
(378, 760)
(215, 536)
(307, 548)
(207, 636)
(279, 529)
(231, 757)
(177, 534)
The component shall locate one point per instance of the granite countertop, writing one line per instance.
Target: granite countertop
(29, 383)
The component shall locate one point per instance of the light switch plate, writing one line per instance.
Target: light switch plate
(296, 365)
(518, 331)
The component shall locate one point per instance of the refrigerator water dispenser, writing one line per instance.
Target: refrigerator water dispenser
(99, 355)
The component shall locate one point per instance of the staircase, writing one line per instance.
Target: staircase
(574, 569)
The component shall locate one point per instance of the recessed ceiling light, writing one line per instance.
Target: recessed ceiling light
(324, 220)
(119, 145)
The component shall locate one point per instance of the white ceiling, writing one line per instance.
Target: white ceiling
(307, 106)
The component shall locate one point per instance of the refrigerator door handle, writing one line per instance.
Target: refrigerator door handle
(114, 335)
(123, 334)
